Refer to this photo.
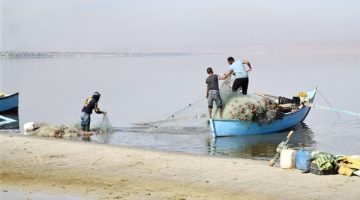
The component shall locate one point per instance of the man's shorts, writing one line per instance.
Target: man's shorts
(214, 95)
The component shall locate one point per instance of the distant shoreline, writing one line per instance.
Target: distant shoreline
(301, 48)
(26, 54)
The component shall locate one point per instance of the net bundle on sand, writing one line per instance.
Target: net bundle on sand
(58, 131)
(64, 131)
(248, 108)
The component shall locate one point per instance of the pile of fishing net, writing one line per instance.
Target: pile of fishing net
(63, 131)
(248, 108)
(58, 131)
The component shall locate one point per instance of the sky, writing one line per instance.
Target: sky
(146, 25)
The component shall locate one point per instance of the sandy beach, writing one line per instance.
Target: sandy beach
(182, 100)
(111, 172)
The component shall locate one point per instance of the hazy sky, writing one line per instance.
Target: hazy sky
(155, 24)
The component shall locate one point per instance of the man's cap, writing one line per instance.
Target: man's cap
(97, 94)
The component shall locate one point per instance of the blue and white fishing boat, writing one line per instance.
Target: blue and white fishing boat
(9, 102)
(235, 127)
(5, 120)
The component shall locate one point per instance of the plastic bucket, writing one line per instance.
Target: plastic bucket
(303, 160)
(287, 158)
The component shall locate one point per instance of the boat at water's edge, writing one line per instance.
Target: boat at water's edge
(232, 127)
(9, 103)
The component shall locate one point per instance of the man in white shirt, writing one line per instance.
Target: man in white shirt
(240, 73)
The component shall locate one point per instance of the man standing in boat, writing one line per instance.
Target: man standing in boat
(240, 73)
(90, 104)
(213, 92)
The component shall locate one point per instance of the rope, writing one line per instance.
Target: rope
(337, 110)
(196, 101)
(329, 104)
(158, 123)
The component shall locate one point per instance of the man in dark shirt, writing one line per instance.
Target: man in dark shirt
(90, 104)
(213, 92)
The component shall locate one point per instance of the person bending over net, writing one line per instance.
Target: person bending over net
(213, 92)
(240, 73)
(90, 104)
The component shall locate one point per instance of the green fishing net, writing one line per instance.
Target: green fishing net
(105, 125)
(62, 131)
(249, 108)
(58, 131)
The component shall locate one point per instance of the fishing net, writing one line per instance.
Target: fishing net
(58, 131)
(249, 108)
(62, 131)
(191, 118)
(105, 125)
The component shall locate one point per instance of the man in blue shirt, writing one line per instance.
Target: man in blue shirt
(240, 73)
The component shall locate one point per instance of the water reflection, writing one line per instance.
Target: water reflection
(168, 139)
(200, 141)
(259, 146)
(104, 138)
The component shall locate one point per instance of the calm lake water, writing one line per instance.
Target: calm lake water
(137, 90)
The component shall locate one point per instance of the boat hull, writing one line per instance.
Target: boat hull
(9, 102)
(221, 128)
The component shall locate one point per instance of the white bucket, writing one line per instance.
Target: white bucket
(28, 127)
(287, 158)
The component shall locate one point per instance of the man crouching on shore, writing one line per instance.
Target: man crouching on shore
(213, 92)
(90, 104)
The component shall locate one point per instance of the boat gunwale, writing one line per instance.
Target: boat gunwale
(9, 96)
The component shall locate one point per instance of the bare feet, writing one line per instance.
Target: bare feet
(86, 133)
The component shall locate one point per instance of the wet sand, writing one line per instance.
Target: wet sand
(112, 172)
